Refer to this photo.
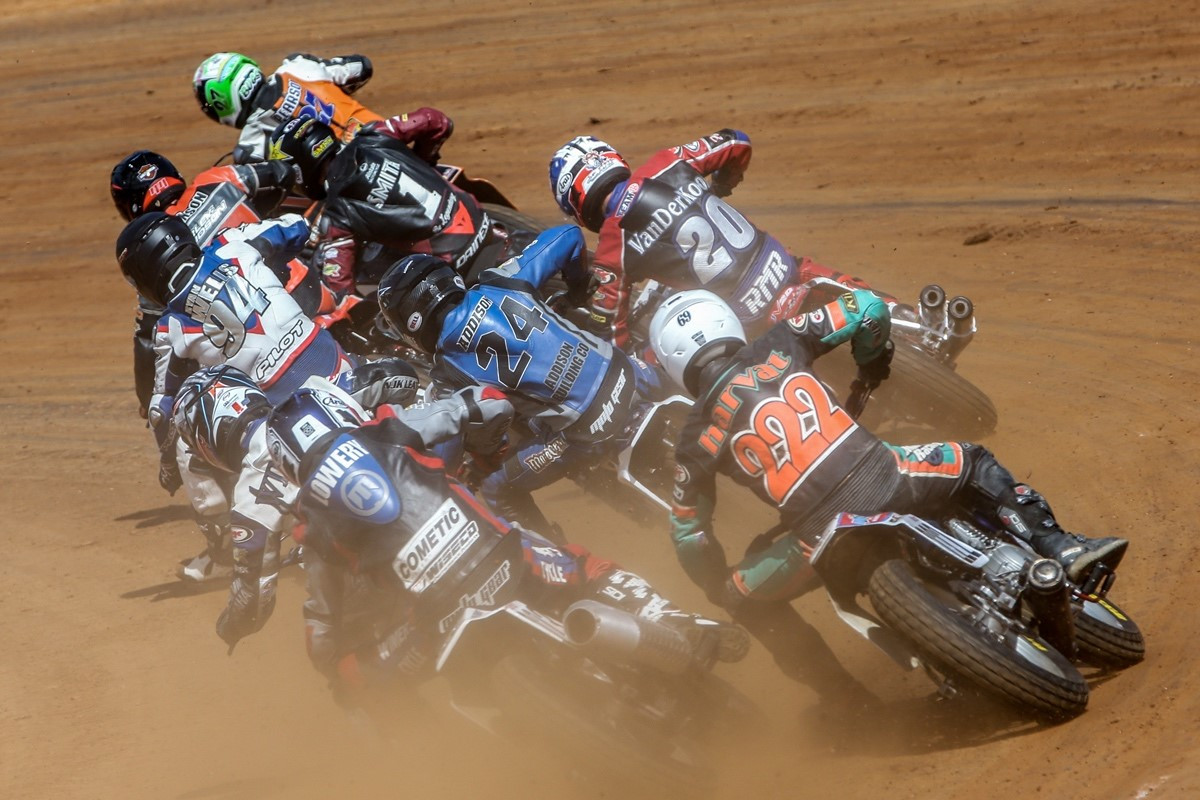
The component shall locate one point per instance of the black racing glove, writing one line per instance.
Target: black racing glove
(878, 369)
(247, 610)
(579, 296)
(169, 476)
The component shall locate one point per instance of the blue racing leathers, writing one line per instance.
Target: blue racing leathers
(574, 391)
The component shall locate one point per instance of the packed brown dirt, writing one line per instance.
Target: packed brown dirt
(886, 136)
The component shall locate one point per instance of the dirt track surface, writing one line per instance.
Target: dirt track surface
(886, 134)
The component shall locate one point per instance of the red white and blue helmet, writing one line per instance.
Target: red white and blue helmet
(582, 173)
(213, 408)
(296, 425)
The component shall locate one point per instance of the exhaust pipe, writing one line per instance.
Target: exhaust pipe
(960, 327)
(615, 635)
(933, 307)
(1049, 597)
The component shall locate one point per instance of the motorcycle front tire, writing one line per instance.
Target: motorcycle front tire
(1020, 670)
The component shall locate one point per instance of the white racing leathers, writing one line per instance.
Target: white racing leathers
(236, 311)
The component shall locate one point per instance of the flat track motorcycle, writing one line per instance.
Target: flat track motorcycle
(958, 595)
(621, 699)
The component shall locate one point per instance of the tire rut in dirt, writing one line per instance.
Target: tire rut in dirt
(955, 646)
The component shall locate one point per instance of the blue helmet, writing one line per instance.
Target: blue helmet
(213, 409)
(297, 424)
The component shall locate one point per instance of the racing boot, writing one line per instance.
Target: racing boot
(1033, 521)
(709, 638)
(216, 560)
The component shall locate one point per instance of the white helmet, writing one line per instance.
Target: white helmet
(690, 329)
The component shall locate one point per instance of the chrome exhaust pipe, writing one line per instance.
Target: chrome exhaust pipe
(616, 635)
(960, 328)
(932, 309)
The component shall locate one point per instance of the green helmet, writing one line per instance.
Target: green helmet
(225, 85)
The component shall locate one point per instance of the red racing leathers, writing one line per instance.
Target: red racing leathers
(669, 224)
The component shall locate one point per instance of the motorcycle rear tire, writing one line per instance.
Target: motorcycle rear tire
(928, 392)
(569, 718)
(958, 648)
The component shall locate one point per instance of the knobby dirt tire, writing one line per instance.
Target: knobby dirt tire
(572, 724)
(1106, 645)
(954, 645)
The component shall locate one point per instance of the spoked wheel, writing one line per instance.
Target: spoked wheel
(1019, 669)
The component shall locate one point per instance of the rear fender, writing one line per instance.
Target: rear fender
(482, 190)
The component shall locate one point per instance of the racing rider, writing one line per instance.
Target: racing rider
(574, 391)
(665, 221)
(384, 520)
(232, 90)
(764, 418)
(382, 189)
(218, 198)
(218, 418)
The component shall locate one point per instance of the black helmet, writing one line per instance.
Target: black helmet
(308, 145)
(151, 251)
(411, 293)
(144, 181)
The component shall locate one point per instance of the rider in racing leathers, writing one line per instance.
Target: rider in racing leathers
(218, 417)
(575, 391)
(382, 191)
(225, 304)
(232, 90)
(390, 537)
(764, 418)
(664, 221)
(216, 199)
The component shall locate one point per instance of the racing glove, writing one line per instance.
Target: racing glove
(878, 369)
(489, 414)
(169, 476)
(251, 600)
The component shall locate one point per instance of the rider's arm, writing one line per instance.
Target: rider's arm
(351, 72)
(337, 255)
(724, 155)
(276, 240)
(693, 501)
(266, 184)
(480, 415)
(424, 130)
(558, 249)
